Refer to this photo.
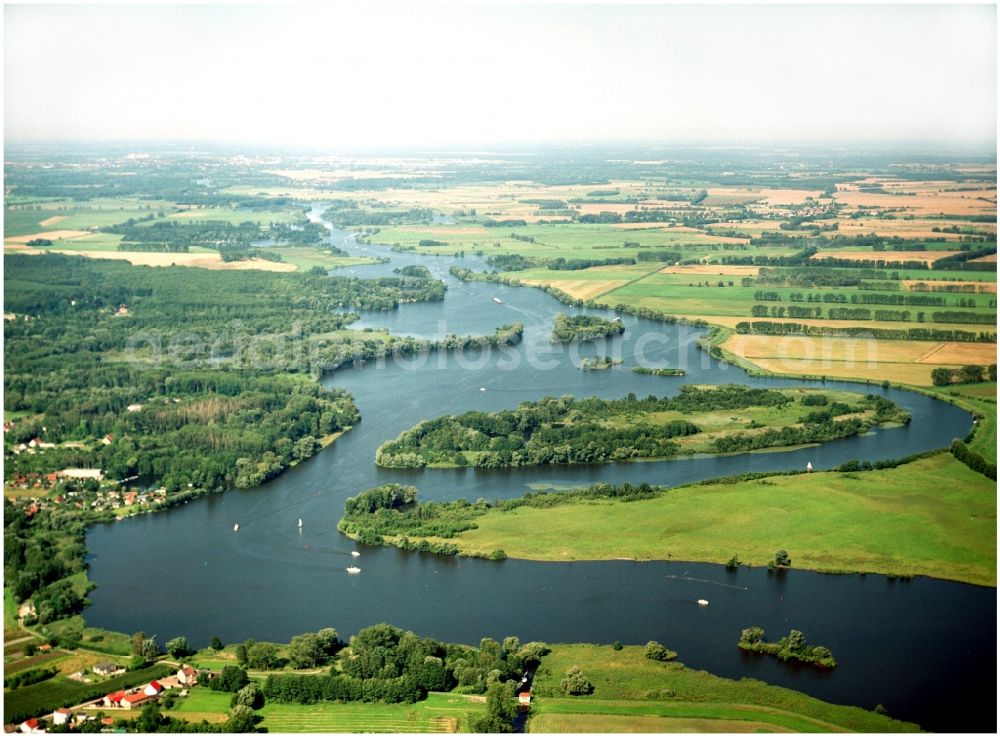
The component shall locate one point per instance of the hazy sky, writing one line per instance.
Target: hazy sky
(390, 75)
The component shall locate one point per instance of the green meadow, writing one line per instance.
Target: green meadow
(933, 516)
(632, 690)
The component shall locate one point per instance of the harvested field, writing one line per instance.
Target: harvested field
(902, 361)
(582, 289)
(991, 257)
(202, 260)
(49, 222)
(923, 203)
(50, 235)
(726, 270)
(927, 257)
(943, 285)
(906, 228)
(788, 197)
(961, 353)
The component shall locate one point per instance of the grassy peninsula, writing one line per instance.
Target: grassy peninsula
(700, 419)
(633, 693)
(933, 516)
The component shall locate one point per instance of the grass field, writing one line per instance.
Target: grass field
(933, 516)
(571, 240)
(631, 690)
(439, 713)
(304, 259)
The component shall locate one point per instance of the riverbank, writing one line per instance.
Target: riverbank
(635, 694)
(933, 517)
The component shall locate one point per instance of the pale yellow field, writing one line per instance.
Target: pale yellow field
(788, 197)
(49, 222)
(924, 256)
(961, 353)
(981, 287)
(50, 235)
(142, 258)
(898, 361)
(991, 257)
(726, 270)
(581, 289)
(922, 203)
(905, 228)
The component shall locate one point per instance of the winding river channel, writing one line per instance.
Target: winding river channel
(924, 648)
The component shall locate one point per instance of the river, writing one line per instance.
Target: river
(924, 648)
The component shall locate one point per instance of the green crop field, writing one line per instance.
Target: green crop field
(934, 516)
(630, 686)
(305, 258)
(439, 713)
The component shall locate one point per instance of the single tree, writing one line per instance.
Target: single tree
(575, 682)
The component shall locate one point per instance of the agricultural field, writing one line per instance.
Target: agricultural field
(934, 516)
(909, 362)
(439, 713)
(634, 693)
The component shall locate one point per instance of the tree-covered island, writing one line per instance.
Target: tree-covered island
(569, 328)
(700, 419)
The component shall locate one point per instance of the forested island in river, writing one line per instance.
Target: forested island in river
(721, 419)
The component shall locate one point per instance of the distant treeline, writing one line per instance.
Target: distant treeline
(768, 328)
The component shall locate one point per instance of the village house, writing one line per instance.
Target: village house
(122, 311)
(152, 689)
(107, 668)
(31, 725)
(61, 716)
(131, 701)
(524, 698)
(187, 676)
(114, 699)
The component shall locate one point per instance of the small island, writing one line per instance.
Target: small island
(567, 430)
(570, 328)
(598, 363)
(792, 647)
(668, 372)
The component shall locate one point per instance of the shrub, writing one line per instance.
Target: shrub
(575, 682)
(657, 652)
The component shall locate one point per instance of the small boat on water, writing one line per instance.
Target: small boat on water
(703, 603)
(498, 301)
(353, 570)
(355, 554)
(482, 389)
(300, 522)
(236, 527)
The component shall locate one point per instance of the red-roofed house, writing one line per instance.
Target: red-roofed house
(187, 676)
(114, 699)
(152, 689)
(131, 701)
(31, 725)
(524, 698)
